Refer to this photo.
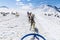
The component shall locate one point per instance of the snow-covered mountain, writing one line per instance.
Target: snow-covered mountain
(56, 8)
(48, 10)
(4, 7)
(49, 18)
(47, 21)
(59, 9)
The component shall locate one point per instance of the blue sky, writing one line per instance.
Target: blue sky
(34, 3)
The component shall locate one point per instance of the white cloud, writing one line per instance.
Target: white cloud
(19, 3)
(27, 6)
(23, 6)
(28, 0)
(18, 0)
(30, 4)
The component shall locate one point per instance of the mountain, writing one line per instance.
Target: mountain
(56, 8)
(59, 9)
(4, 7)
(49, 22)
(48, 10)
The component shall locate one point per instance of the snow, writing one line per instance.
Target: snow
(14, 28)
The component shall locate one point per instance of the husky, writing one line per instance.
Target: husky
(32, 20)
(29, 15)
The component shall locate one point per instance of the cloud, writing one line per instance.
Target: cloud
(28, 0)
(18, 0)
(19, 3)
(30, 4)
(26, 7)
